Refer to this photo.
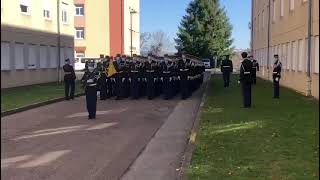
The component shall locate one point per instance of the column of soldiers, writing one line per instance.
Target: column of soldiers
(136, 77)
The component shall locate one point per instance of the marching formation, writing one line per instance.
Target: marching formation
(136, 77)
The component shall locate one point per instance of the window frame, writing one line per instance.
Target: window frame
(64, 16)
(81, 30)
(79, 6)
(25, 3)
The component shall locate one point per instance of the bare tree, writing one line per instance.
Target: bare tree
(144, 38)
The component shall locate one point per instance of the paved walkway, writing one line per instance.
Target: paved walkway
(57, 141)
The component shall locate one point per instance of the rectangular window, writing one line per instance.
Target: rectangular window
(43, 57)
(32, 61)
(263, 19)
(18, 52)
(292, 5)
(284, 55)
(289, 64)
(79, 9)
(25, 6)
(259, 22)
(46, 9)
(79, 33)
(274, 11)
(53, 57)
(294, 55)
(5, 55)
(64, 15)
(301, 56)
(316, 54)
(62, 57)
(282, 8)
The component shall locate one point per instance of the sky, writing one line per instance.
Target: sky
(166, 15)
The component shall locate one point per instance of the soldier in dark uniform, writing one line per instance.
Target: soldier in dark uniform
(102, 81)
(118, 64)
(167, 79)
(90, 80)
(226, 69)
(276, 76)
(246, 79)
(69, 80)
(183, 73)
(134, 84)
(150, 78)
(255, 68)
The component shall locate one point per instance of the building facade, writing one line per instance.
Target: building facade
(289, 39)
(30, 40)
(104, 27)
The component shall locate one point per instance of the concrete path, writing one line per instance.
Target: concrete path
(57, 141)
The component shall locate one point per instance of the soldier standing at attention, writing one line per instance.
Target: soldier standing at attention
(69, 80)
(255, 68)
(276, 76)
(246, 80)
(226, 69)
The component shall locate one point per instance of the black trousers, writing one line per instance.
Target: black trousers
(134, 88)
(184, 88)
(276, 89)
(150, 88)
(246, 93)
(109, 88)
(69, 86)
(91, 99)
(226, 79)
(118, 85)
(103, 89)
(167, 88)
(254, 78)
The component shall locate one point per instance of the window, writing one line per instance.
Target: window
(32, 61)
(25, 6)
(284, 55)
(79, 9)
(18, 51)
(263, 19)
(274, 11)
(5, 55)
(46, 9)
(43, 57)
(302, 58)
(288, 64)
(79, 33)
(53, 57)
(259, 22)
(292, 5)
(316, 54)
(62, 56)
(80, 55)
(64, 16)
(294, 55)
(282, 8)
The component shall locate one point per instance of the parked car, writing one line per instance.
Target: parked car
(206, 63)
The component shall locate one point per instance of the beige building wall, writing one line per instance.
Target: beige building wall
(289, 33)
(97, 36)
(132, 5)
(29, 41)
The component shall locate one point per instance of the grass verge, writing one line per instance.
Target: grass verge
(275, 139)
(22, 96)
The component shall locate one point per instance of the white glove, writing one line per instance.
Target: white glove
(238, 82)
(277, 79)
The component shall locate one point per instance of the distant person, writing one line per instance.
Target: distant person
(276, 76)
(90, 82)
(255, 68)
(226, 69)
(246, 80)
(69, 80)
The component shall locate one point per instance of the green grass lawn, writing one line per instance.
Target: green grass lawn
(22, 96)
(275, 139)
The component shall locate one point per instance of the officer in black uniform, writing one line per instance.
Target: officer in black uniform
(69, 80)
(118, 64)
(102, 81)
(167, 78)
(226, 69)
(255, 68)
(246, 79)
(276, 76)
(183, 73)
(90, 79)
(150, 75)
(134, 84)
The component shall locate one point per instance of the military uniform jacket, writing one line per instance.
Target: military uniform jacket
(226, 66)
(245, 71)
(69, 72)
(277, 69)
(255, 66)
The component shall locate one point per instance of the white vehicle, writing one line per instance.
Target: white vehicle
(206, 63)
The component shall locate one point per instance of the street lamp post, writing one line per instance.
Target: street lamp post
(59, 40)
(131, 30)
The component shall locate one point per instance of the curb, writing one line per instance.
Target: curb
(187, 155)
(32, 106)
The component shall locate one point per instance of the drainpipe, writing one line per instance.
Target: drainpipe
(59, 40)
(309, 47)
(268, 55)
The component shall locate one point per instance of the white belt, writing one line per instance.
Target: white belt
(246, 72)
(166, 72)
(92, 84)
(184, 69)
(254, 67)
(150, 71)
(123, 79)
(134, 71)
(275, 72)
(226, 66)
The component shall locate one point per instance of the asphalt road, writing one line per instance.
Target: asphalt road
(58, 142)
